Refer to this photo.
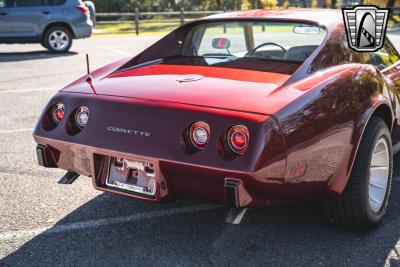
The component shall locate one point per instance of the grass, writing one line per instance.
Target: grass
(162, 28)
(145, 28)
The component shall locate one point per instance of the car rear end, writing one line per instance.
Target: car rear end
(197, 126)
(155, 151)
(78, 15)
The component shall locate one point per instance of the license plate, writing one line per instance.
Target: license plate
(133, 176)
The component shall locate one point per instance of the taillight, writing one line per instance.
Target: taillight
(199, 134)
(82, 117)
(238, 139)
(58, 113)
(84, 9)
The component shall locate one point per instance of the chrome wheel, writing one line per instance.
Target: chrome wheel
(59, 40)
(378, 174)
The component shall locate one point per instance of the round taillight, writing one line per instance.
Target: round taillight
(199, 134)
(58, 113)
(82, 117)
(238, 139)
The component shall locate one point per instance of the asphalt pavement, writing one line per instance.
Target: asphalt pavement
(46, 224)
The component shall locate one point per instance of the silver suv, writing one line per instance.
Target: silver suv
(53, 23)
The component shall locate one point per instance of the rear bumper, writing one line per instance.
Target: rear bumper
(178, 180)
(83, 30)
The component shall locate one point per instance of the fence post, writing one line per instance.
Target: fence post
(137, 20)
(182, 16)
(224, 24)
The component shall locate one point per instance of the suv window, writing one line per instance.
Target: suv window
(7, 3)
(28, 3)
(56, 2)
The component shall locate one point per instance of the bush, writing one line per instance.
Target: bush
(269, 3)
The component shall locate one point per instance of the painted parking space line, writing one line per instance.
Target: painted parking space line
(116, 51)
(16, 130)
(26, 90)
(90, 224)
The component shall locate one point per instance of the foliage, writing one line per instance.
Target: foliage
(169, 5)
(286, 4)
(314, 3)
(269, 3)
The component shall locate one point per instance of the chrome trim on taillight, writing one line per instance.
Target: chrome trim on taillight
(244, 131)
(82, 111)
(56, 111)
(202, 128)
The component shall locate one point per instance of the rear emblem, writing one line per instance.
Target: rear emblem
(128, 131)
(189, 78)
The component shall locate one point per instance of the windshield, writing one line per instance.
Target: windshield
(284, 41)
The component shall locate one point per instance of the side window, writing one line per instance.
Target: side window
(56, 2)
(382, 58)
(391, 52)
(29, 3)
(7, 3)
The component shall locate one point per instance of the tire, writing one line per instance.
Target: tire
(62, 45)
(354, 208)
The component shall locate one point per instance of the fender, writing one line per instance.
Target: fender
(336, 186)
(323, 127)
(57, 22)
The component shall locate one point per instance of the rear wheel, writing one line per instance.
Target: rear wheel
(57, 39)
(363, 202)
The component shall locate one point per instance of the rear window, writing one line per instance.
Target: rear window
(284, 41)
(261, 45)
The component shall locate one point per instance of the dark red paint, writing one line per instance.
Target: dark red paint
(305, 125)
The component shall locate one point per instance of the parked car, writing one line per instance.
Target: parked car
(248, 109)
(52, 23)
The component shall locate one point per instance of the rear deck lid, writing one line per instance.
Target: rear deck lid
(225, 88)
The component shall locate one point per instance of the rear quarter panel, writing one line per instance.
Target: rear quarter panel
(322, 129)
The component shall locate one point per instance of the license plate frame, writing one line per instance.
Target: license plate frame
(134, 176)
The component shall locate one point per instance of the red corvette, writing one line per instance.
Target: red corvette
(247, 109)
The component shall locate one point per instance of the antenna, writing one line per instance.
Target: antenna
(87, 64)
(88, 78)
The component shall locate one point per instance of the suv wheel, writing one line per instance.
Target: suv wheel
(57, 39)
(363, 202)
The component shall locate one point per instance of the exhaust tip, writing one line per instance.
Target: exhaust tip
(68, 178)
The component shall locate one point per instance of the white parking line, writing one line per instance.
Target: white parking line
(27, 90)
(102, 222)
(116, 51)
(16, 130)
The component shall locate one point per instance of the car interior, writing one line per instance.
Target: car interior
(279, 47)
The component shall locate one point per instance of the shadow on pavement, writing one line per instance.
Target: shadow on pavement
(31, 55)
(290, 235)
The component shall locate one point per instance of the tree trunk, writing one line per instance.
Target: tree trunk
(390, 3)
(173, 4)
